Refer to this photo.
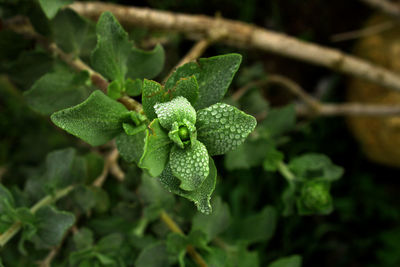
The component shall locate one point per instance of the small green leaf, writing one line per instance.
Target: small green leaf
(58, 90)
(259, 227)
(272, 158)
(176, 110)
(131, 147)
(213, 224)
(153, 93)
(96, 121)
(6, 199)
(114, 90)
(188, 88)
(313, 165)
(289, 261)
(63, 168)
(190, 165)
(52, 225)
(83, 239)
(51, 7)
(278, 121)
(222, 128)
(145, 64)
(73, 33)
(213, 75)
(201, 196)
(154, 255)
(111, 54)
(250, 154)
(133, 87)
(132, 130)
(156, 150)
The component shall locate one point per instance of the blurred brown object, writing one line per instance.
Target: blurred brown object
(378, 136)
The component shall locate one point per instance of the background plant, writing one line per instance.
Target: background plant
(58, 205)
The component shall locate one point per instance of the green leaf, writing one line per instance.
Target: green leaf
(156, 149)
(73, 33)
(96, 121)
(58, 90)
(272, 158)
(83, 239)
(215, 223)
(250, 154)
(94, 166)
(154, 93)
(145, 64)
(190, 165)
(155, 255)
(241, 256)
(213, 75)
(201, 196)
(131, 147)
(289, 261)
(114, 90)
(51, 7)
(317, 166)
(176, 110)
(115, 57)
(6, 199)
(222, 128)
(133, 87)
(278, 121)
(52, 225)
(64, 168)
(111, 54)
(259, 227)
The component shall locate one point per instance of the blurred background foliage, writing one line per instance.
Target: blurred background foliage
(120, 220)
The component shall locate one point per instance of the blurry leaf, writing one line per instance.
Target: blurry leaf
(272, 158)
(289, 199)
(259, 227)
(215, 223)
(242, 257)
(254, 102)
(83, 239)
(11, 45)
(312, 165)
(145, 64)
(290, 261)
(222, 128)
(73, 33)
(112, 242)
(201, 196)
(278, 121)
(96, 120)
(58, 90)
(213, 76)
(250, 154)
(133, 87)
(131, 147)
(156, 150)
(6, 199)
(52, 225)
(51, 7)
(155, 255)
(94, 166)
(63, 168)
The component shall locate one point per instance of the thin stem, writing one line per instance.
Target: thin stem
(385, 6)
(14, 229)
(171, 224)
(284, 170)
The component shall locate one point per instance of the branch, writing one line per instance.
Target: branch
(110, 165)
(243, 35)
(313, 107)
(176, 229)
(385, 7)
(14, 229)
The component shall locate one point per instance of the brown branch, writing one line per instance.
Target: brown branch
(110, 165)
(384, 6)
(364, 32)
(171, 224)
(243, 35)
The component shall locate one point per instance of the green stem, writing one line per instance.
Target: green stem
(284, 170)
(14, 229)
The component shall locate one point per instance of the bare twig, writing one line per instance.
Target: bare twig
(244, 35)
(385, 6)
(110, 165)
(365, 32)
(313, 107)
(171, 224)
